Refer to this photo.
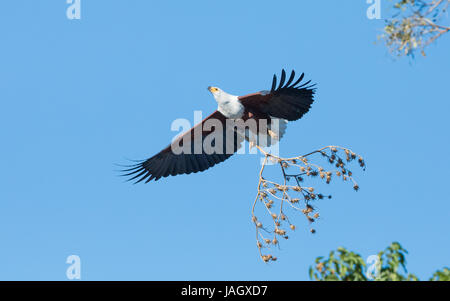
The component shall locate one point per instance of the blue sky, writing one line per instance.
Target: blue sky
(78, 96)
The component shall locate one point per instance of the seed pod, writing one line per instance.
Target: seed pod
(280, 232)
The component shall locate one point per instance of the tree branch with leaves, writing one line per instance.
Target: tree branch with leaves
(345, 265)
(415, 25)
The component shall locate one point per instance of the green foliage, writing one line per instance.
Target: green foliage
(443, 275)
(415, 25)
(391, 260)
(344, 265)
(340, 266)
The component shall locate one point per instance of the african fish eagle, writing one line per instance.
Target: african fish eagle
(286, 101)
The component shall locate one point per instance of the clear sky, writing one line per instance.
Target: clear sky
(78, 96)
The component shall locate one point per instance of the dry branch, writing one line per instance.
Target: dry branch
(293, 195)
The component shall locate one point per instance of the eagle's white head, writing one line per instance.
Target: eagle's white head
(220, 95)
(215, 91)
(229, 105)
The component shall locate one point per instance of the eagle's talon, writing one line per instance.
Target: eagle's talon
(272, 134)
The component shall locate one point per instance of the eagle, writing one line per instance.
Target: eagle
(287, 100)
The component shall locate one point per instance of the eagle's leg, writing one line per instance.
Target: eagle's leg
(272, 134)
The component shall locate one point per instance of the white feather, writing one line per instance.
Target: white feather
(229, 105)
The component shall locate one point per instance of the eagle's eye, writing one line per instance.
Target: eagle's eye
(213, 89)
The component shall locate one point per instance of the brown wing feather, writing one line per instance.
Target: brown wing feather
(167, 163)
(288, 101)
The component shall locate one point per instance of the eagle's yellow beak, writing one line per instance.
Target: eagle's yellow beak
(212, 89)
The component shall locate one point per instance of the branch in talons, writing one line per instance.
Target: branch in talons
(293, 195)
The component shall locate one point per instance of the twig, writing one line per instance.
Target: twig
(267, 190)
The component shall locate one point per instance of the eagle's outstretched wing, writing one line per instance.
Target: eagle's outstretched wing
(172, 161)
(289, 100)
